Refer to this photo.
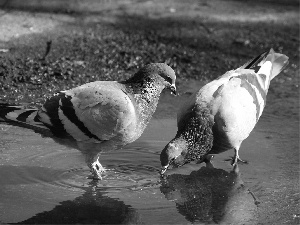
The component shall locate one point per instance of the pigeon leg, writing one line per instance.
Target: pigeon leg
(208, 162)
(237, 158)
(96, 168)
(207, 159)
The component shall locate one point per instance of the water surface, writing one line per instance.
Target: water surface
(44, 182)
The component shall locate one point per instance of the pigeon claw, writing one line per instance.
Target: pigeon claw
(236, 160)
(163, 170)
(97, 169)
(173, 90)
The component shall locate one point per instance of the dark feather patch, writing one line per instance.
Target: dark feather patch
(196, 130)
(69, 111)
(253, 64)
(51, 106)
(5, 109)
(217, 92)
(36, 118)
(23, 116)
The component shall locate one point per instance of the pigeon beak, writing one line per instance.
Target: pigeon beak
(164, 169)
(173, 89)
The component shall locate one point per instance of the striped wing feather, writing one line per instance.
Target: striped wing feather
(98, 111)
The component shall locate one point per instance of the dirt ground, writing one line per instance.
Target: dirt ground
(47, 46)
(92, 40)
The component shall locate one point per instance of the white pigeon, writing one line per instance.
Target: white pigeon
(222, 113)
(101, 115)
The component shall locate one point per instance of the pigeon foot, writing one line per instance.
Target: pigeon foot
(97, 170)
(237, 159)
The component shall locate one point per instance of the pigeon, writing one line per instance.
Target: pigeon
(222, 113)
(101, 115)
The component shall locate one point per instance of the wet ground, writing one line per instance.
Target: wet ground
(44, 182)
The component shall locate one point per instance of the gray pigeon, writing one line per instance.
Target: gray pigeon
(222, 114)
(101, 115)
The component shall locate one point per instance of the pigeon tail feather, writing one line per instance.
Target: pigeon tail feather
(279, 62)
(260, 64)
(251, 64)
(20, 115)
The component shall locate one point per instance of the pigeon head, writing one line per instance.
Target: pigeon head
(160, 73)
(167, 73)
(164, 73)
(192, 142)
(173, 154)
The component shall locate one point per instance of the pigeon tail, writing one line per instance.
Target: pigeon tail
(21, 116)
(268, 63)
(254, 63)
(278, 61)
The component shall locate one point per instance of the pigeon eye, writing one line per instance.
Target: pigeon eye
(168, 79)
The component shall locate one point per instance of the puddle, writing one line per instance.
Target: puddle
(44, 182)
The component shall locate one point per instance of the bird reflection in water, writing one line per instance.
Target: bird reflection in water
(93, 207)
(211, 195)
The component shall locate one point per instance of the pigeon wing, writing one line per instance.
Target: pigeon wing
(236, 107)
(106, 109)
(95, 111)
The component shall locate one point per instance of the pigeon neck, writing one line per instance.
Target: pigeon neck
(148, 87)
(197, 133)
(146, 93)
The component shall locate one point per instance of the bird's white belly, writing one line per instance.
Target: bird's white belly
(235, 117)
